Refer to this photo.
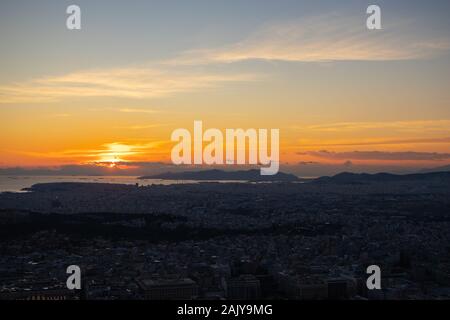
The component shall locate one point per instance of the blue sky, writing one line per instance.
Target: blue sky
(119, 32)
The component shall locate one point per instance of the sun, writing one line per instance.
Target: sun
(112, 156)
(112, 164)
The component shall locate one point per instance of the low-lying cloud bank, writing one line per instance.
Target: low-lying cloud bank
(301, 169)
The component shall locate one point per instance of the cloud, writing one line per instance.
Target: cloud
(128, 168)
(135, 83)
(382, 142)
(307, 163)
(109, 152)
(405, 126)
(142, 127)
(379, 155)
(330, 37)
(435, 132)
(129, 110)
(93, 169)
(324, 38)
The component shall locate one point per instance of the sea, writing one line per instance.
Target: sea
(19, 183)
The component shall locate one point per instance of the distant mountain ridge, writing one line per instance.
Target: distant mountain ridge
(220, 175)
(347, 177)
(343, 178)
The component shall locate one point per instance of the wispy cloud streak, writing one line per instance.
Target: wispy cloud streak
(379, 155)
(135, 83)
(331, 37)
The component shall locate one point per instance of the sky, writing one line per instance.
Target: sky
(343, 97)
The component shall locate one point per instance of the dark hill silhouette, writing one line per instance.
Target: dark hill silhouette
(347, 177)
(220, 175)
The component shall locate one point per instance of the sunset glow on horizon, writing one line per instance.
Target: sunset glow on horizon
(112, 93)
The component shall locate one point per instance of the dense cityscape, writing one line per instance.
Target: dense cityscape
(208, 241)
